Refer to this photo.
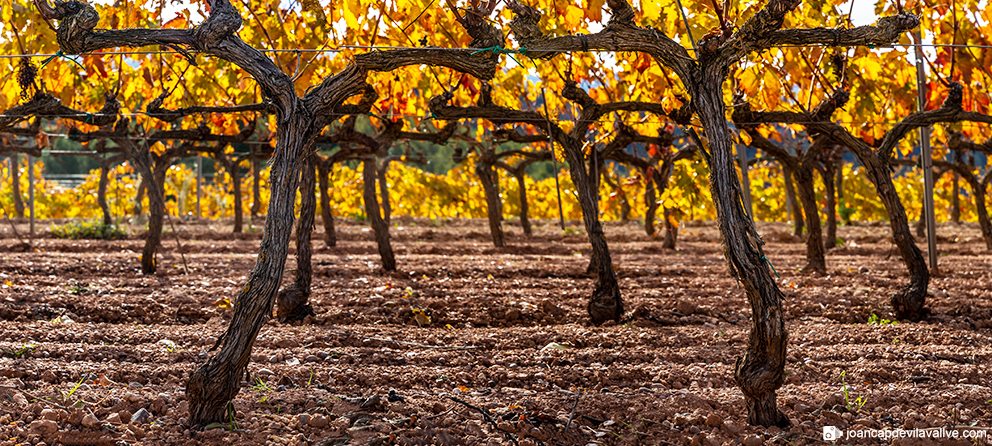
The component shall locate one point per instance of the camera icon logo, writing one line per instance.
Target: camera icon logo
(831, 433)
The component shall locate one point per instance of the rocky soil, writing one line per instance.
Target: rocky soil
(468, 344)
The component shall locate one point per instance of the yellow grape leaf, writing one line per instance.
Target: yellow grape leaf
(422, 318)
(745, 138)
(573, 16)
(463, 388)
(349, 15)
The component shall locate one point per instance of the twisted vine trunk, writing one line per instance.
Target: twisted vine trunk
(487, 175)
(955, 199)
(156, 199)
(830, 192)
(671, 230)
(909, 302)
(142, 189)
(791, 203)
(651, 200)
(379, 226)
(256, 177)
(292, 301)
(605, 303)
(387, 208)
(15, 174)
(815, 261)
(759, 371)
(239, 212)
(215, 382)
(330, 234)
(101, 195)
(524, 209)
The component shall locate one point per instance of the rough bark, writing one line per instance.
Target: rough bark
(101, 195)
(330, 234)
(387, 208)
(815, 261)
(15, 174)
(140, 195)
(955, 199)
(292, 301)
(256, 193)
(487, 175)
(791, 204)
(239, 212)
(651, 200)
(524, 207)
(671, 230)
(379, 226)
(828, 173)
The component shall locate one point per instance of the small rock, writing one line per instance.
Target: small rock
(685, 307)
(49, 376)
(512, 314)
(19, 399)
(114, 418)
(319, 421)
(323, 355)
(731, 428)
(43, 427)
(140, 416)
(90, 421)
(304, 419)
(287, 343)
(49, 414)
(311, 358)
(714, 420)
(753, 440)
(372, 402)
(264, 372)
(273, 359)
(292, 361)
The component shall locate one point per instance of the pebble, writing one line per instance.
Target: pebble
(264, 372)
(323, 355)
(140, 416)
(273, 359)
(43, 427)
(731, 428)
(49, 414)
(319, 421)
(714, 420)
(304, 419)
(311, 358)
(114, 418)
(287, 343)
(753, 440)
(90, 421)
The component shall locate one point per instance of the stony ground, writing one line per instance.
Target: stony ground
(468, 344)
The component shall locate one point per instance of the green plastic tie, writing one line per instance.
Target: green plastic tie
(497, 50)
(871, 47)
(88, 117)
(433, 116)
(770, 264)
(62, 55)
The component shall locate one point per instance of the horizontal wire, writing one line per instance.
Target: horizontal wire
(379, 47)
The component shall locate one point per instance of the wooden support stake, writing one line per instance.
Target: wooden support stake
(927, 158)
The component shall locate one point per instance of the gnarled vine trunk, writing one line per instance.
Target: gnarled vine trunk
(15, 175)
(101, 195)
(239, 212)
(651, 200)
(815, 261)
(292, 301)
(760, 370)
(487, 175)
(387, 208)
(330, 234)
(790, 201)
(831, 209)
(605, 303)
(524, 209)
(379, 226)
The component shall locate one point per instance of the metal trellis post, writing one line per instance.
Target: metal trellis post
(926, 157)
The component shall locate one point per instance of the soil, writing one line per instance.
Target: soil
(468, 344)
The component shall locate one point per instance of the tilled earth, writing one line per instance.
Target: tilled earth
(468, 344)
